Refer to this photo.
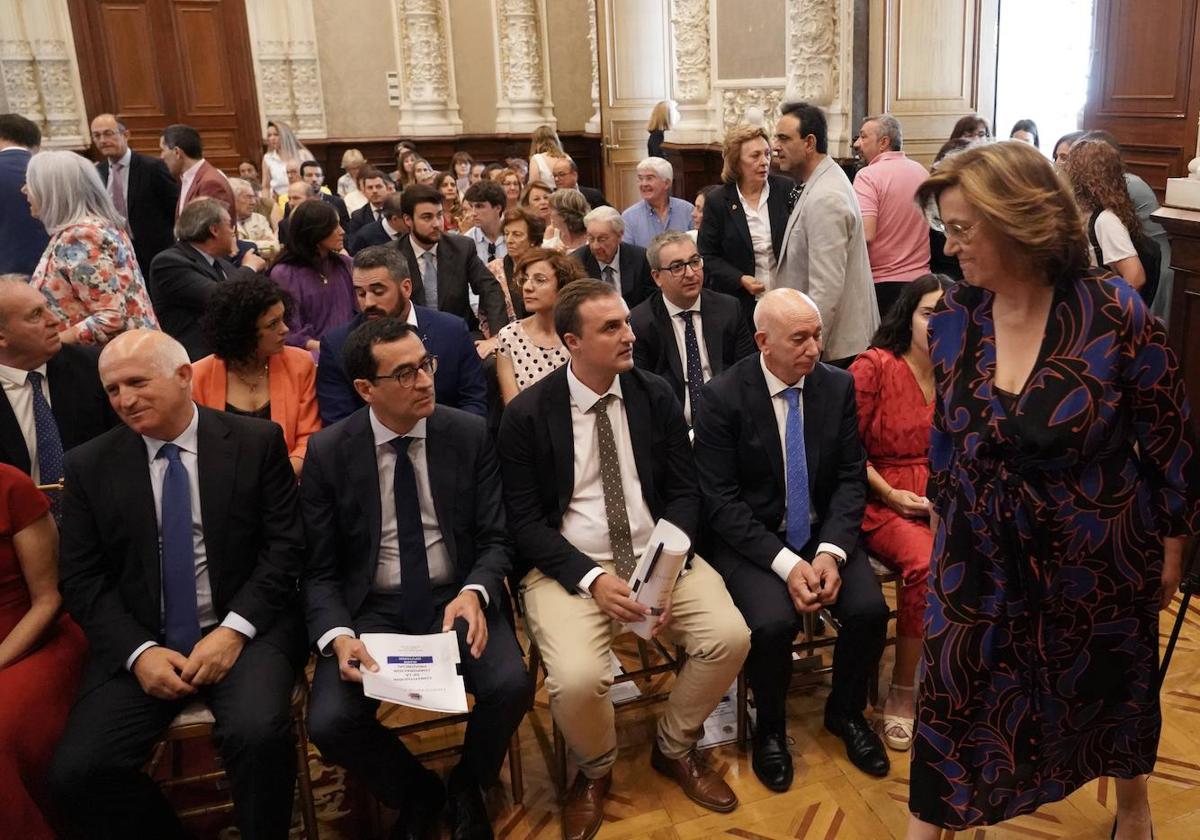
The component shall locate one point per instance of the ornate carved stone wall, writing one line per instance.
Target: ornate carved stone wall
(691, 22)
(820, 59)
(38, 72)
(284, 43)
(593, 124)
(524, 94)
(428, 95)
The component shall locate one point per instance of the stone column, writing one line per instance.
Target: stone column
(523, 96)
(38, 72)
(691, 82)
(593, 124)
(284, 46)
(428, 94)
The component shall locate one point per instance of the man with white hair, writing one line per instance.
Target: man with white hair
(607, 257)
(181, 550)
(658, 211)
(784, 477)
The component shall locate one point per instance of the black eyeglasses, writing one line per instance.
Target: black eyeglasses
(407, 376)
(678, 267)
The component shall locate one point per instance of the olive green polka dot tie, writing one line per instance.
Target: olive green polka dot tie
(614, 496)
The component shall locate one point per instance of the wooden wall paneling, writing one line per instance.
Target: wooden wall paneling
(1183, 226)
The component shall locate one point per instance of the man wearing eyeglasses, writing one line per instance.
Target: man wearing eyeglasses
(141, 187)
(685, 333)
(406, 534)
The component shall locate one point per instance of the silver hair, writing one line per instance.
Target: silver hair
(198, 216)
(777, 299)
(240, 186)
(572, 207)
(158, 348)
(661, 241)
(889, 127)
(609, 215)
(658, 166)
(67, 188)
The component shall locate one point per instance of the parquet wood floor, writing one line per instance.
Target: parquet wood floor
(830, 799)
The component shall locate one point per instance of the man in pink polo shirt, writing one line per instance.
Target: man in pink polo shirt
(896, 231)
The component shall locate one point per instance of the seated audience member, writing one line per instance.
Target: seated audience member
(824, 251)
(313, 174)
(685, 333)
(461, 164)
(452, 206)
(566, 177)
(252, 226)
(41, 654)
(567, 211)
(592, 457)
(510, 180)
(184, 277)
(434, 557)
(784, 508)
(388, 229)
(383, 289)
(529, 349)
(142, 189)
(536, 199)
(487, 201)
(352, 162)
(182, 152)
(658, 211)
(315, 272)
(492, 171)
(893, 384)
(1063, 147)
(522, 231)
(88, 272)
(607, 257)
(182, 547)
(1026, 131)
(406, 162)
(50, 394)
(477, 173)
(252, 371)
(893, 225)
(423, 173)
(520, 166)
(24, 237)
(543, 146)
(374, 185)
(939, 261)
(698, 210)
(445, 265)
(298, 192)
(741, 231)
(972, 127)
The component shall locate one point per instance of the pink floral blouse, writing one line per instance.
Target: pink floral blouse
(91, 279)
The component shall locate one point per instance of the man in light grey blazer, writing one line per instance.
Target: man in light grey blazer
(824, 250)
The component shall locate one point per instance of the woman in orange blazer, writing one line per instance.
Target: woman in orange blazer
(252, 371)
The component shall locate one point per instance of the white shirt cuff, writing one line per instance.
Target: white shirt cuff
(784, 562)
(830, 548)
(138, 651)
(324, 642)
(585, 582)
(475, 587)
(235, 622)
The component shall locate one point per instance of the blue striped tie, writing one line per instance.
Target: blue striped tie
(798, 527)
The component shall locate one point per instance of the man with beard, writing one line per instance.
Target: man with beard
(383, 287)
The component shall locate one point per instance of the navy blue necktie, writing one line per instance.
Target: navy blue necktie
(695, 371)
(181, 623)
(416, 595)
(798, 526)
(49, 442)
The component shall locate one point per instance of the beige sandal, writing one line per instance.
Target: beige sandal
(898, 732)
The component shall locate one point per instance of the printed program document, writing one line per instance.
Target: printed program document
(417, 671)
(655, 575)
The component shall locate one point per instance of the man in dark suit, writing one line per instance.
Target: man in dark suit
(375, 188)
(686, 334)
(784, 476)
(566, 177)
(388, 229)
(443, 265)
(23, 237)
(605, 257)
(313, 174)
(181, 551)
(183, 154)
(68, 387)
(592, 456)
(183, 277)
(384, 290)
(141, 187)
(431, 555)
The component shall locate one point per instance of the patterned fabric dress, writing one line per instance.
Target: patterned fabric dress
(1041, 632)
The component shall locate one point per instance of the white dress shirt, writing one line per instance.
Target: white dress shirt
(185, 183)
(759, 221)
(787, 559)
(615, 265)
(476, 235)
(585, 522)
(391, 232)
(387, 569)
(678, 326)
(19, 392)
(205, 612)
(124, 174)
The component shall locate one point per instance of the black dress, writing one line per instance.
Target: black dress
(654, 144)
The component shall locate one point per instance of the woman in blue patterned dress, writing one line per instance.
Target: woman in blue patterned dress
(1065, 480)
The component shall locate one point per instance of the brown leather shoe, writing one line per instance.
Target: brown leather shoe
(699, 781)
(583, 810)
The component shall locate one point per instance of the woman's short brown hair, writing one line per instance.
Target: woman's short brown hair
(523, 201)
(735, 138)
(1019, 195)
(533, 223)
(566, 269)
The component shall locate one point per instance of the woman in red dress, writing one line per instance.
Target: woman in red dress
(41, 651)
(893, 383)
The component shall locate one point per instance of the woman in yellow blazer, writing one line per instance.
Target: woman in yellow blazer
(252, 372)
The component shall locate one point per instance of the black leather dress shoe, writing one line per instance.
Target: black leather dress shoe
(468, 815)
(422, 818)
(772, 762)
(863, 747)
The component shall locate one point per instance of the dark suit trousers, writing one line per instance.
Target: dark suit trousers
(343, 725)
(860, 611)
(97, 770)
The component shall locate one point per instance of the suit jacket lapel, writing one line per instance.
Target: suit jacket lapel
(362, 470)
(762, 414)
(630, 266)
(637, 413)
(813, 418)
(737, 216)
(12, 442)
(129, 480)
(714, 334)
(562, 439)
(777, 212)
(667, 336)
(216, 459)
(414, 268)
(443, 469)
(64, 394)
